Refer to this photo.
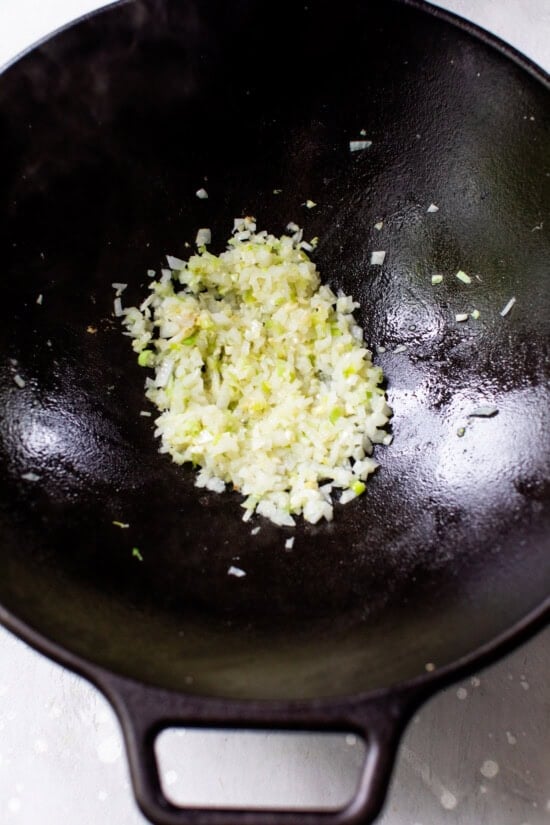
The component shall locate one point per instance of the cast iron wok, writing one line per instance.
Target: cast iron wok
(106, 131)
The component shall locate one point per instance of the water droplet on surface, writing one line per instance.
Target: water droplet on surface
(448, 800)
(489, 769)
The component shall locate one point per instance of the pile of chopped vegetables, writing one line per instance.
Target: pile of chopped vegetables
(261, 375)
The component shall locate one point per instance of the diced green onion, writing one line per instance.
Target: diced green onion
(145, 357)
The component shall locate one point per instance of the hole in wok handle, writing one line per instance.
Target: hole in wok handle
(259, 770)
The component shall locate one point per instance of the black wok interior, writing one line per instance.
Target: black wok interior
(106, 132)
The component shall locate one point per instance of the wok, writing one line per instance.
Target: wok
(107, 130)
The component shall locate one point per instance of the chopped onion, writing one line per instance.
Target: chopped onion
(363, 132)
(387, 440)
(289, 543)
(163, 373)
(377, 258)
(432, 208)
(463, 276)
(145, 413)
(475, 314)
(380, 349)
(461, 316)
(275, 192)
(150, 273)
(358, 145)
(19, 381)
(437, 279)
(217, 485)
(119, 288)
(175, 263)
(461, 431)
(202, 194)
(254, 531)
(235, 571)
(379, 225)
(310, 204)
(39, 299)
(230, 337)
(504, 312)
(117, 305)
(307, 247)
(204, 237)
(400, 348)
(483, 412)
(30, 477)
(292, 227)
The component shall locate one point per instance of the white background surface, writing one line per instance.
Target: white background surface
(477, 753)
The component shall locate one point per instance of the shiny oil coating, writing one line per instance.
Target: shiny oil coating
(107, 131)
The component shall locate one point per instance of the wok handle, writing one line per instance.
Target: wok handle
(145, 712)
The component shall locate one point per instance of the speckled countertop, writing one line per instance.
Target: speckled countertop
(476, 753)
